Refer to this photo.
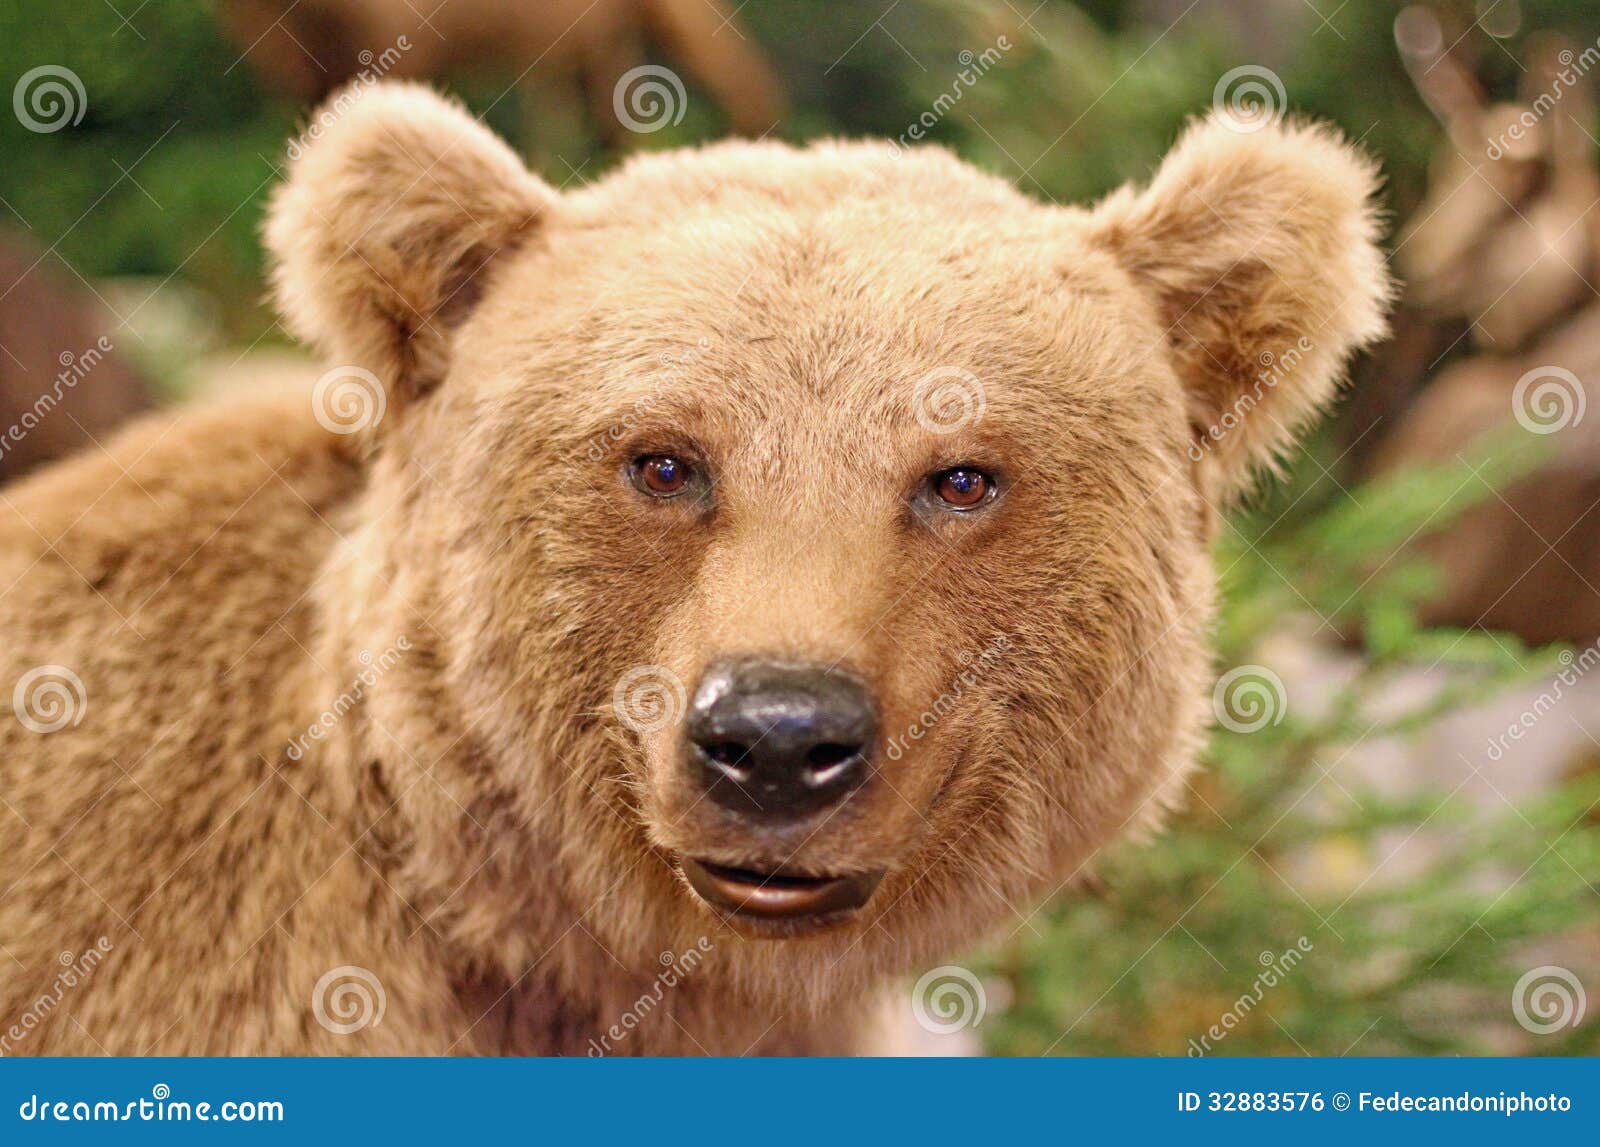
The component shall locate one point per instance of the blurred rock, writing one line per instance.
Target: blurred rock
(1500, 255)
(1526, 560)
(64, 382)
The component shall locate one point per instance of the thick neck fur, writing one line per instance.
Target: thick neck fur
(485, 878)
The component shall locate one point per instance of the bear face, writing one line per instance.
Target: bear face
(812, 544)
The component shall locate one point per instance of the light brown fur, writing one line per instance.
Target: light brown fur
(482, 832)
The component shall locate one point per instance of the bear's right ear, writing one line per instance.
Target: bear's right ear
(397, 201)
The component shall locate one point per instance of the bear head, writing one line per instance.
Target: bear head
(805, 547)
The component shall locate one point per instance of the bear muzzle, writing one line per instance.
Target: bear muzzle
(779, 747)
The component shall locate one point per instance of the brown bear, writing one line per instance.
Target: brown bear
(716, 591)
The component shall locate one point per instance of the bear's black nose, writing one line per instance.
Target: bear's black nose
(778, 740)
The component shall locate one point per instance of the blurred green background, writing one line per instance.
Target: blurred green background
(180, 143)
(156, 195)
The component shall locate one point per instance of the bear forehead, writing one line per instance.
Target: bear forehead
(741, 175)
(767, 331)
(835, 272)
(859, 220)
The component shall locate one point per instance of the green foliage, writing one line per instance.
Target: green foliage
(167, 169)
(167, 172)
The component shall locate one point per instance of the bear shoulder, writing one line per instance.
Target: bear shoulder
(177, 489)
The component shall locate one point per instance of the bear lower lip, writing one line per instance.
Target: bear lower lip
(778, 896)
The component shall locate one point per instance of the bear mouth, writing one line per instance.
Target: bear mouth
(783, 898)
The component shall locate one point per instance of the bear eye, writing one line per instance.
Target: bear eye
(962, 487)
(661, 475)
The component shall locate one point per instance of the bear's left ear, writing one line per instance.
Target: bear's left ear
(1260, 251)
(397, 202)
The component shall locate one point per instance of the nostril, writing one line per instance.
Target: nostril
(730, 755)
(828, 761)
(824, 756)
